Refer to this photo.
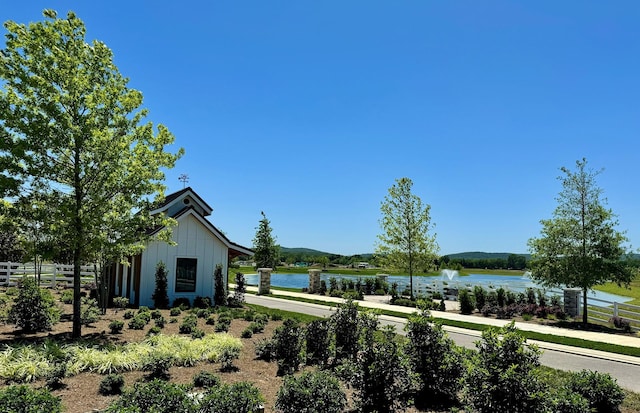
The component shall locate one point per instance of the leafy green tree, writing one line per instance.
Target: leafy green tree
(220, 293)
(267, 253)
(72, 126)
(580, 246)
(406, 242)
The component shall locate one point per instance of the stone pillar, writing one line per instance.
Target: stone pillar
(572, 298)
(314, 281)
(265, 280)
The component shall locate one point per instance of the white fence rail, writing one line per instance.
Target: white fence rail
(50, 274)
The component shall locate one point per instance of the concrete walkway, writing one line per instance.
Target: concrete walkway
(377, 303)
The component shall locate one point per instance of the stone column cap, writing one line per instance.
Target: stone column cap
(265, 269)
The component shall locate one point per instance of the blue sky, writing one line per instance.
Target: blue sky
(309, 111)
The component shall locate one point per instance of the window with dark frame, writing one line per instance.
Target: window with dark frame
(186, 275)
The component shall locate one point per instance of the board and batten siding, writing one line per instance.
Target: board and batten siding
(193, 240)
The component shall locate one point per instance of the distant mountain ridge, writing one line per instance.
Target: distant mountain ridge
(466, 255)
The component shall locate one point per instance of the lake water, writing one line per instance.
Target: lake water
(423, 285)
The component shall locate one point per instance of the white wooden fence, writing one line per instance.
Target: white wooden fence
(50, 274)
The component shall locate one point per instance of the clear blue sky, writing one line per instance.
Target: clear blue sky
(310, 110)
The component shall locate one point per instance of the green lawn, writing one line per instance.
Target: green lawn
(632, 291)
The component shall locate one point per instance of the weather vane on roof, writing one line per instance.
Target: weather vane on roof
(184, 178)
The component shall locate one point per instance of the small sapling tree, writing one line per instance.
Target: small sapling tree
(160, 297)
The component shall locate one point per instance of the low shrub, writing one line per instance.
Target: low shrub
(188, 324)
(621, 323)
(155, 396)
(67, 296)
(175, 311)
(111, 384)
(265, 349)
(601, 390)
(318, 340)
(182, 302)
(89, 311)
(405, 302)
(116, 326)
(311, 392)
(241, 397)
(287, 346)
(201, 302)
(137, 323)
(120, 302)
(197, 333)
(205, 379)
(160, 322)
(211, 320)
(155, 314)
(144, 309)
(154, 331)
(256, 327)
(34, 309)
(203, 313)
(173, 320)
(246, 333)
(25, 399)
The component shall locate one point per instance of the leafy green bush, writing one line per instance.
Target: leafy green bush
(601, 390)
(116, 326)
(137, 323)
(205, 379)
(380, 375)
(435, 359)
(197, 333)
(175, 311)
(129, 314)
(154, 331)
(311, 392)
(155, 396)
(182, 302)
(565, 401)
(203, 313)
(34, 308)
(480, 294)
(265, 349)
(160, 322)
(287, 346)
(189, 323)
(467, 303)
(345, 328)
(120, 302)
(501, 377)
(25, 399)
(239, 397)
(318, 342)
(223, 324)
(159, 296)
(220, 292)
(89, 311)
(202, 302)
(111, 384)
(246, 333)
(211, 320)
(67, 296)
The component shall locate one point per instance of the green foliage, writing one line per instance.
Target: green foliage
(111, 384)
(287, 346)
(86, 140)
(182, 303)
(25, 399)
(137, 323)
(347, 326)
(267, 253)
(202, 302)
(600, 389)
(580, 246)
(160, 322)
(480, 294)
(311, 392)
(129, 314)
(246, 333)
(154, 331)
(175, 311)
(239, 397)
(264, 349)
(90, 312)
(205, 379)
(120, 302)
(67, 296)
(381, 376)
(406, 242)
(467, 303)
(435, 359)
(197, 333)
(189, 323)
(116, 326)
(34, 308)
(220, 292)
(155, 396)
(160, 297)
(502, 376)
(318, 342)
(223, 324)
